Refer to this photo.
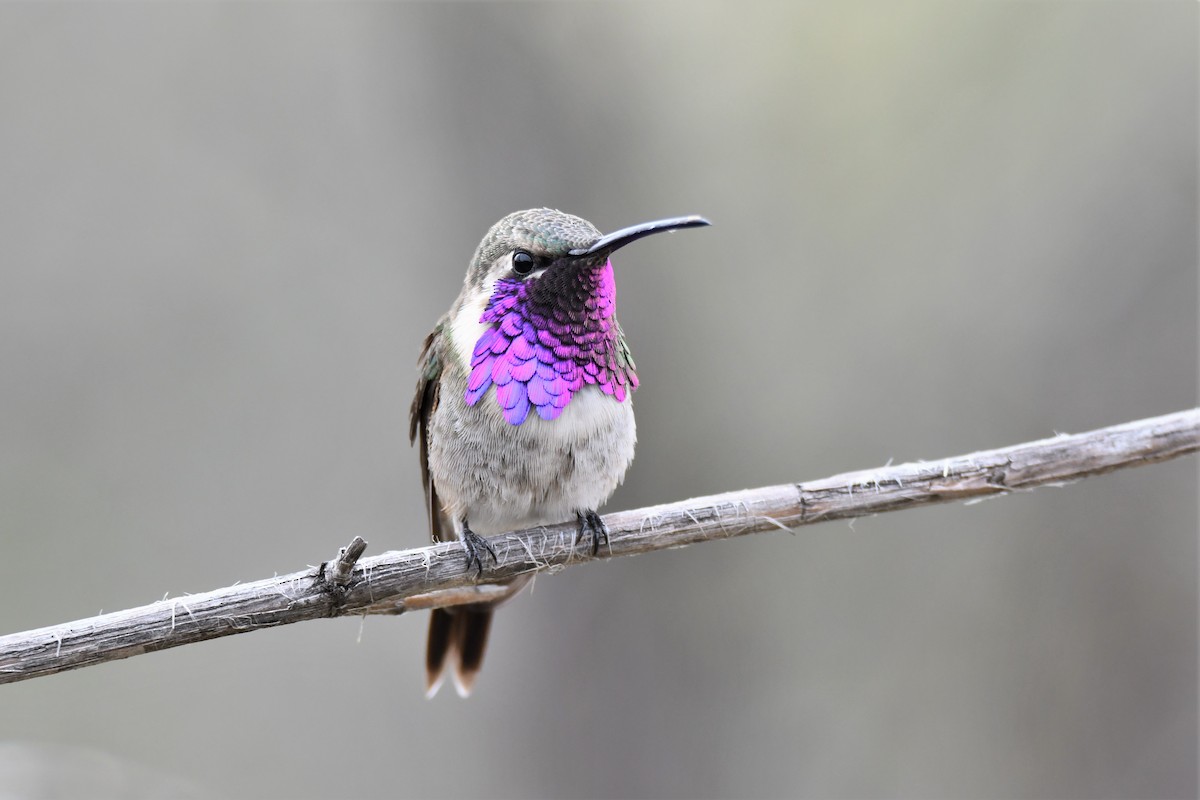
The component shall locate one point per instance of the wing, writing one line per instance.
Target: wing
(424, 402)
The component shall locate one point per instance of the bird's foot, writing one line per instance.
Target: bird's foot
(477, 549)
(590, 524)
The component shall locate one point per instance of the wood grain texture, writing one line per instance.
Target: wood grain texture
(437, 575)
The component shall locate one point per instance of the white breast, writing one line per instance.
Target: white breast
(503, 477)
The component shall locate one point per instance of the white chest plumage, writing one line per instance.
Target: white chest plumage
(501, 477)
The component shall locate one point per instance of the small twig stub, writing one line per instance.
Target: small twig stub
(337, 572)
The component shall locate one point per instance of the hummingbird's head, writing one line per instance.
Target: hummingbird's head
(526, 243)
(536, 315)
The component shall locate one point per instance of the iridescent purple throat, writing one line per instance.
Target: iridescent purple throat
(548, 339)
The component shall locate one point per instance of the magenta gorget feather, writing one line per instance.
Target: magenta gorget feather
(550, 337)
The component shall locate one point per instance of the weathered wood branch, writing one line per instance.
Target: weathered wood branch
(438, 576)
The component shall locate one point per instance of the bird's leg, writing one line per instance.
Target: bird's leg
(475, 546)
(590, 524)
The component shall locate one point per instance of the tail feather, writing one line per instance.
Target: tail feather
(474, 624)
(457, 639)
(438, 646)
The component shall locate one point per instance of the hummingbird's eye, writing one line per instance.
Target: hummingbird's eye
(523, 263)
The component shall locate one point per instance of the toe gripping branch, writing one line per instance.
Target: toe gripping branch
(477, 549)
(591, 525)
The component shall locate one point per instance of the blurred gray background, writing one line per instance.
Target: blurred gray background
(939, 227)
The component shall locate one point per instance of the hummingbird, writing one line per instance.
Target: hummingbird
(523, 410)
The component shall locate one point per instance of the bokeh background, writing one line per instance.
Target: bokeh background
(939, 227)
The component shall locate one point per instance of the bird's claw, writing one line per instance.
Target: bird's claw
(591, 525)
(475, 547)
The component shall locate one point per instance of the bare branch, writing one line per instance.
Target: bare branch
(435, 576)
